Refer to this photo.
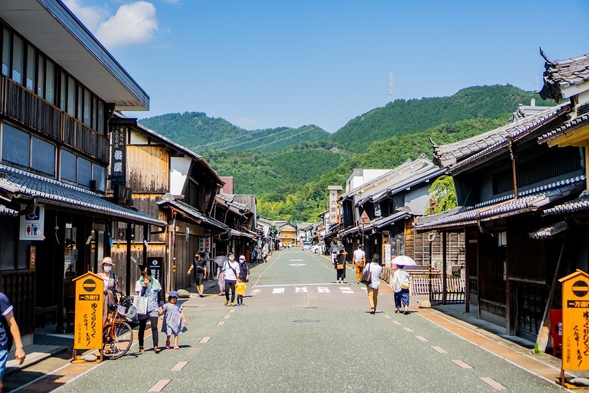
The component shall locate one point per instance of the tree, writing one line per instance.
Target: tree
(443, 196)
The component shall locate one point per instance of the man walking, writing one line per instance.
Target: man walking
(199, 266)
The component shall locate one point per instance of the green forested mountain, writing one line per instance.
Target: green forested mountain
(402, 117)
(291, 182)
(199, 133)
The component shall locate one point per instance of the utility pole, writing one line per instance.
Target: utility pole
(391, 95)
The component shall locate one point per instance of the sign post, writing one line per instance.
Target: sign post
(88, 313)
(575, 322)
(364, 220)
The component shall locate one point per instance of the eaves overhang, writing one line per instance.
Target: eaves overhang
(192, 213)
(59, 34)
(23, 185)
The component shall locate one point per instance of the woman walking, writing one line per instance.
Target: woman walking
(372, 288)
(149, 288)
(401, 285)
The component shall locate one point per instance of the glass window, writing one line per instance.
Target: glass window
(63, 92)
(15, 146)
(41, 78)
(100, 126)
(87, 107)
(6, 52)
(50, 82)
(18, 60)
(43, 156)
(94, 109)
(71, 96)
(80, 114)
(99, 174)
(31, 72)
(68, 166)
(84, 172)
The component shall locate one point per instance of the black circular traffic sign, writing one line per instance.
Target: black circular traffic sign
(580, 288)
(89, 285)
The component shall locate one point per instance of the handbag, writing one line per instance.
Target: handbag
(339, 266)
(366, 276)
(140, 303)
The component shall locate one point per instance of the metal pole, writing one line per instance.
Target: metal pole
(429, 266)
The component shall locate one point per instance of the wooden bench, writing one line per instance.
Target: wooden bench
(41, 314)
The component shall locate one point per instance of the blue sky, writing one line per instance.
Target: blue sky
(272, 63)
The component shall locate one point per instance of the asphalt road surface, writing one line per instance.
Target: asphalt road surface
(299, 331)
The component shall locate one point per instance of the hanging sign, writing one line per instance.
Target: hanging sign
(31, 225)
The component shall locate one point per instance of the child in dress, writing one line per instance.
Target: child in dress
(174, 319)
(240, 291)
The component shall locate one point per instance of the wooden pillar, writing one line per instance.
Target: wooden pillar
(58, 261)
(444, 267)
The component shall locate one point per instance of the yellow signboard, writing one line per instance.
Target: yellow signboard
(575, 321)
(88, 307)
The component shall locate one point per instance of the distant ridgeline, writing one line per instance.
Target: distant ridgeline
(291, 182)
(198, 132)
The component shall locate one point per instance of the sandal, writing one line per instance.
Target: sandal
(156, 350)
(168, 344)
(141, 350)
(176, 347)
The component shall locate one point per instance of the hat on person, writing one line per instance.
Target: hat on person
(106, 261)
(242, 258)
(173, 294)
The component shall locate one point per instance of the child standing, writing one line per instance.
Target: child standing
(174, 319)
(240, 291)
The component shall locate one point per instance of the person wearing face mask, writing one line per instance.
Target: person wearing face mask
(230, 274)
(111, 284)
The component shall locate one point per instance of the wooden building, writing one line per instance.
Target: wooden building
(57, 95)
(391, 202)
(504, 180)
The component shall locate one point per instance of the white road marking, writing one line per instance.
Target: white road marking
(408, 330)
(278, 290)
(179, 366)
(159, 385)
(221, 323)
(421, 338)
(205, 340)
(323, 290)
(397, 323)
(462, 364)
(494, 384)
(296, 264)
(227, 316)
(255, 292)
(302, 289)
(439, 349)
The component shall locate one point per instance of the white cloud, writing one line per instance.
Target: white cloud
(90, 16)
(133, 23)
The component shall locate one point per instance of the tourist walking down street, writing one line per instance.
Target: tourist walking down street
(230, 274)
(199, 267)
(340, 267)
(240, 291)
(8, 328)
(149, 288)
(359, 262)
(174, 320)
(111, 285)
(244, 269)
(401, 285)
(372, 288)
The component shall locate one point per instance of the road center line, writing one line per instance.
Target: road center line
(494, 384)
(179, 366)
(462, 364)
(159, 385)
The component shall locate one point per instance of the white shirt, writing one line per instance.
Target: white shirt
(375, 271)
(359, 255)
(231, 270)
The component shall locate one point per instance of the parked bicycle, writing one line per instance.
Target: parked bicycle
(117, 335)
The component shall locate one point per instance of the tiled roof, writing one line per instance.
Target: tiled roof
(5, 211)
(562, 74)
(564, 128)
(576, 205)
(192, 212)
(529, 201)
(381, 222)
(460, 153)
(549, 231)
(21, 183)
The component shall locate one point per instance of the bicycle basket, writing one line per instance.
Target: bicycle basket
(131, 313)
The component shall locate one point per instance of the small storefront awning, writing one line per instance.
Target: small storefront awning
(19, 184)
(236, 233)
(193, 213)
(404, 214)
(549, 231)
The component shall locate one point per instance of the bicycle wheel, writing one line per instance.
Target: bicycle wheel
(117, 343)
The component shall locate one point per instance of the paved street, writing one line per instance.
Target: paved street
(299, 331)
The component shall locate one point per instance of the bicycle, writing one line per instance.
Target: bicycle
(117, 335)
